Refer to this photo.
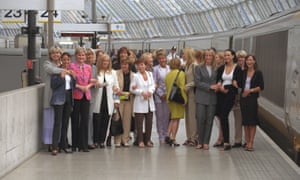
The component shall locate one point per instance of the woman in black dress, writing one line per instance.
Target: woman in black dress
(251, 81)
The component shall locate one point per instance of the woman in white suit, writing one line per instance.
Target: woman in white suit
(104, 97)
(142, 85)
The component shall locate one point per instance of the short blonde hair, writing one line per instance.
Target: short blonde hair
(79, 50)
(241, 53)
(54, 49)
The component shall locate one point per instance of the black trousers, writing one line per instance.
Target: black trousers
(61, 121)
(80, 119)
(100, 126)
(67, 109)
(225, 104)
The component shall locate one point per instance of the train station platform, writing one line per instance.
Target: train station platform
(266, 162)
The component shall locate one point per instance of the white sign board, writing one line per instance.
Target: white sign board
(13, 16)
(43, 16)
(117, 27)
(42, 4)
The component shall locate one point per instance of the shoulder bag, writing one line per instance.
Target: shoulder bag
(175, 94)
(116, 126)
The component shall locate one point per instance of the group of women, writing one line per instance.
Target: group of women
(92, 87)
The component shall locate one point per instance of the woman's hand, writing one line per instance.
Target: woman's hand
(246, 92)
(116, 105)
(223, 90)
(134, 87)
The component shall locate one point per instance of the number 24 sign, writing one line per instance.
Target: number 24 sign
(18, 16)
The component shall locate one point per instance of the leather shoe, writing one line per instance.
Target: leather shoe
(236, 145)
(227, 147)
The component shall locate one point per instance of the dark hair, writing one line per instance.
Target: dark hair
(65, 54)
(123, 49)
(174, 63)
(233, 54)
(255, 66)
(126, 61)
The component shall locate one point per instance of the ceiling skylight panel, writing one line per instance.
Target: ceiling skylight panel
(254, 11)
(243, 14)
(211, 22)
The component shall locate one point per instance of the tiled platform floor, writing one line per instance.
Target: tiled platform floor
(163, 163)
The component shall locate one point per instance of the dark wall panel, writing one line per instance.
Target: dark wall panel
(271, 55)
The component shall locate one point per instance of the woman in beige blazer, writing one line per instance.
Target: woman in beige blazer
(125, 76)
(190, 108)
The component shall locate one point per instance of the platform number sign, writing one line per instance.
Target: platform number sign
(18, 16)
(13, 16)
(43, 16)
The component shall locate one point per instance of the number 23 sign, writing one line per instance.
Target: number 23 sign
(18, 16)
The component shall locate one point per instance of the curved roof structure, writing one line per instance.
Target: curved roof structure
(169, 18)
(146, 19)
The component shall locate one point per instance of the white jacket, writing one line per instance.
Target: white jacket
(141, 105)
(112, 83)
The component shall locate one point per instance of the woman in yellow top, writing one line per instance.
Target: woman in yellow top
(176, 109)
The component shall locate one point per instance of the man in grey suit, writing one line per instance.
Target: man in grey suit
(206, 99)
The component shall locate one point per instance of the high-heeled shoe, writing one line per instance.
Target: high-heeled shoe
(84, 150)
(167, 140)
(149, 144)
(101, 145)
(54, 152)
(227, 147)
(92, 146)
(65, 150)
(108, 141)
(218, 144)
(141, 145)
(174, 143)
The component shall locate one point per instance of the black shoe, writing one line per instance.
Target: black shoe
(92, 146)
(218, 144)
(74, 149)
(236, 145)
(167, 140)
(174, 143)
(244, 145)
(227, 147)
(65, 150)
(108, 141)
(84, 150)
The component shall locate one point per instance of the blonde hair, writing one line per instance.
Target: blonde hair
(100, 63)
(213, 63)
(79, 50)
(241, 53)
(189, 54)
(221, 56)
(54, 49)
(91, 51)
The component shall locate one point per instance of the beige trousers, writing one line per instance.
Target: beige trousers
(125, 108)
(238, 130)
(190, 117)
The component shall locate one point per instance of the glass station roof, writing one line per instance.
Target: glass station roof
(145, 19)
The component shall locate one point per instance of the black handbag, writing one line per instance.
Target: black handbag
(175, 94)
(116, 126)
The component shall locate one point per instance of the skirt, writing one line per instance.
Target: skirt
(249, 108)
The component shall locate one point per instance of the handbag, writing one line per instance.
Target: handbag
(116, 126)
(175, 94)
